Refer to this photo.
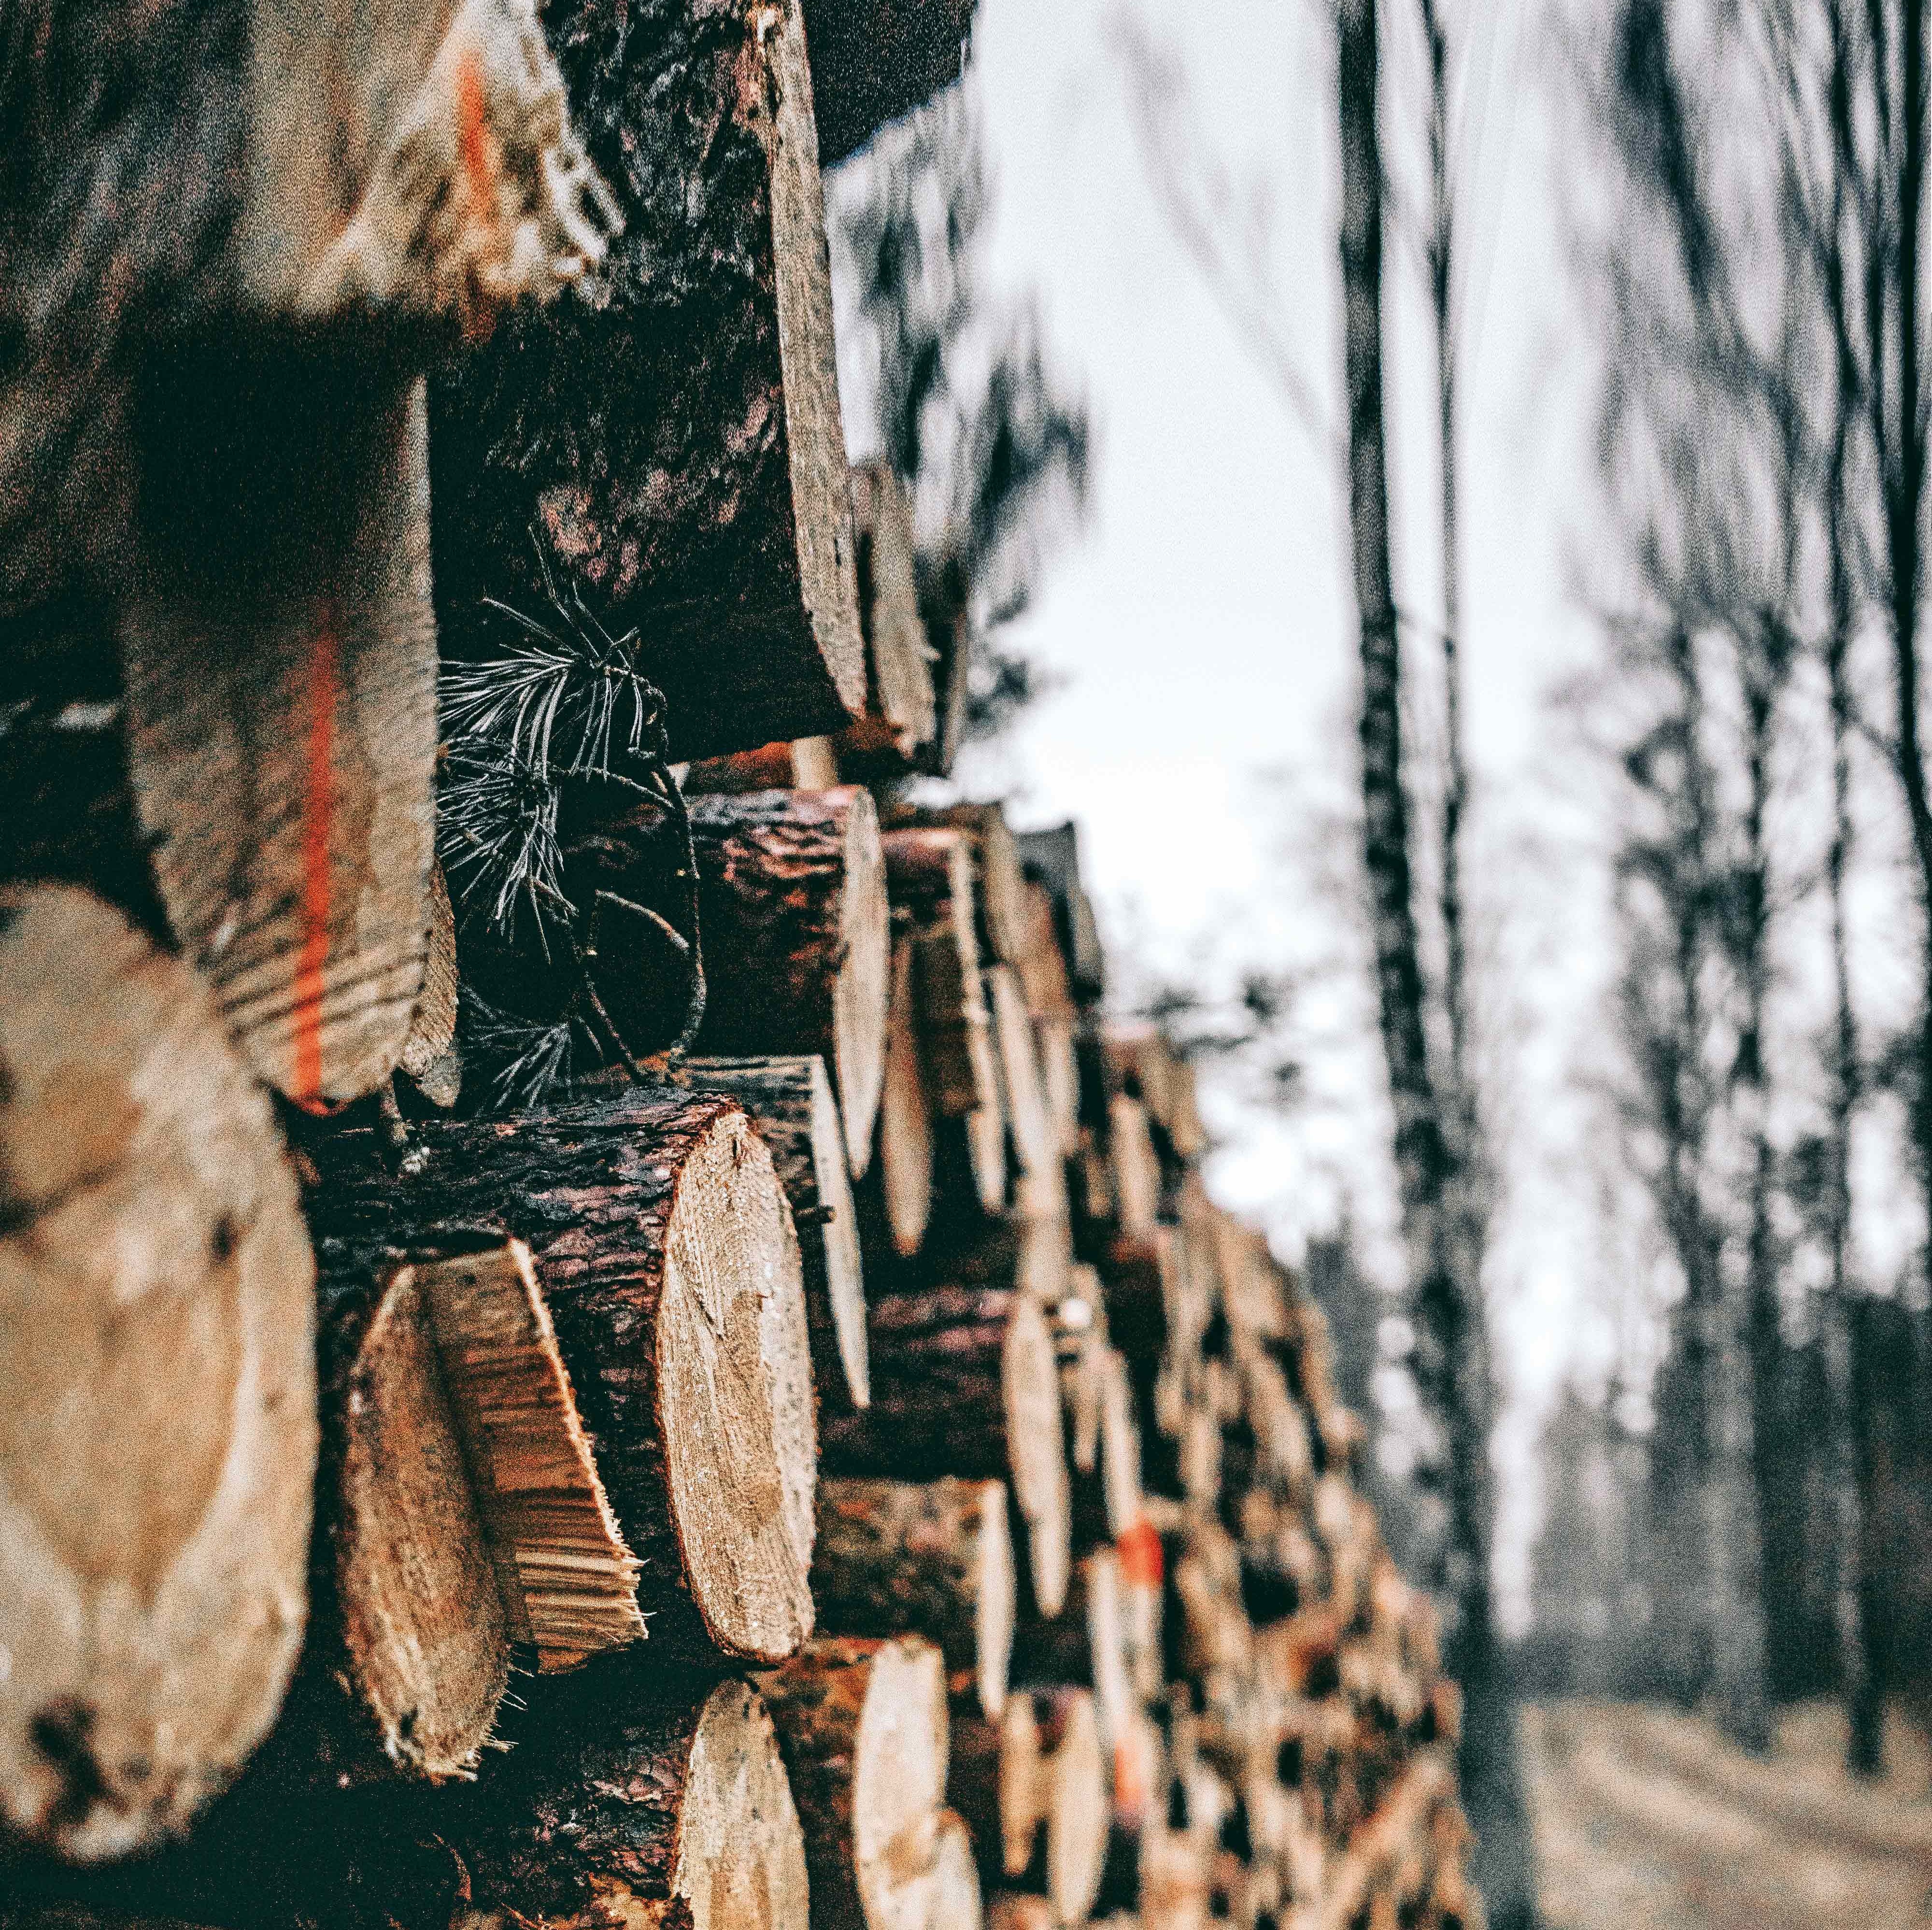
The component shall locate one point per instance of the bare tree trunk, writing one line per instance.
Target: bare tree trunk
(1451, 1364)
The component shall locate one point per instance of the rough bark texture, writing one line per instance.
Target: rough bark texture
(665, 1250)
(791, 764)
(899, 721)
(874, 60)
(790, 1101)
(964, 1383)
(157, 1434)
(862, 1727)
(932, 1558)
(671, 449)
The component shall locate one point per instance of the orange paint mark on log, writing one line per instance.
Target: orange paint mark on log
(1138, 1548)
(318, 810)
(477, 149)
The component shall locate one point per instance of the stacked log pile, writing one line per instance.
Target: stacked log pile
(586, 1340)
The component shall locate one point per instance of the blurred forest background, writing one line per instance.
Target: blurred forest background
(1567, 1002)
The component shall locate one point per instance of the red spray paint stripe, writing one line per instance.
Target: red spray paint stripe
(318, 809)
(470, 134)
(1138, 1548)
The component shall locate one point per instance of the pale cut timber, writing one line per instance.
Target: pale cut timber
(1034, 1137)
(279, 651)
(933, 1559)
(410, 1652)
(429, 1055)
(863, 1727)
(956, 1902)
(1019, 1910)
(1136, 1169)
(666, 1251)
(789, 1102)
(673, 452)
(157, 1430)
(900, 719)
(1042, 964)
(568, 1582)
(1034, 1790)
(874, 60)
(964, 1382)
(677, 1813)
(797, 937)
(904, 1157)
(929, 877)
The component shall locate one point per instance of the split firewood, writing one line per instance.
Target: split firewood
(429, 1054)
(666, 1251)
(158, 1386)
(1033, 1789)
(669, 458)
(637, 1815)
(964, 1383)
(793, 897)
(279, 655)
(899, 720)
(933, 1559)
(902, 1162)
(862, 1727)
(1035, 1138)
(1053, 858)
(790, 1101)
(795, 764)
(568, 1582)
(874, 60)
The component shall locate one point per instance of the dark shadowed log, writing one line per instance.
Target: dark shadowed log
(397, 172)
(791, 764)
(666, 1252)
(1033, 1788)
(899, 720)
(1053, 858)
(964, 1383)
(932, 1558)
(862, 1727)
(874, 60)
(948, 633)
(638, 1815)
(796, 937)
(280, 652)
(158, 1432)
(790, 1101)
(674, 446)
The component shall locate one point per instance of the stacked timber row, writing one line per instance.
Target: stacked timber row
(587, 1339)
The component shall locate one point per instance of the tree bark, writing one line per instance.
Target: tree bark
(934, 1559)
(790, 1101)
(862, 1727)
(665, 1250)
(671, 450)
(964, 1383)
(156, 1359)
(791, 764)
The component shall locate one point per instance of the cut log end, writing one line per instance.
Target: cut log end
(955, 1877)
(568, 1582)
(158, 1432)
(995, 1608)
(422, 1620)
(734, 1391)
(844, 1274)
(860, 995)
(1031, 1377)
(905, 1125)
